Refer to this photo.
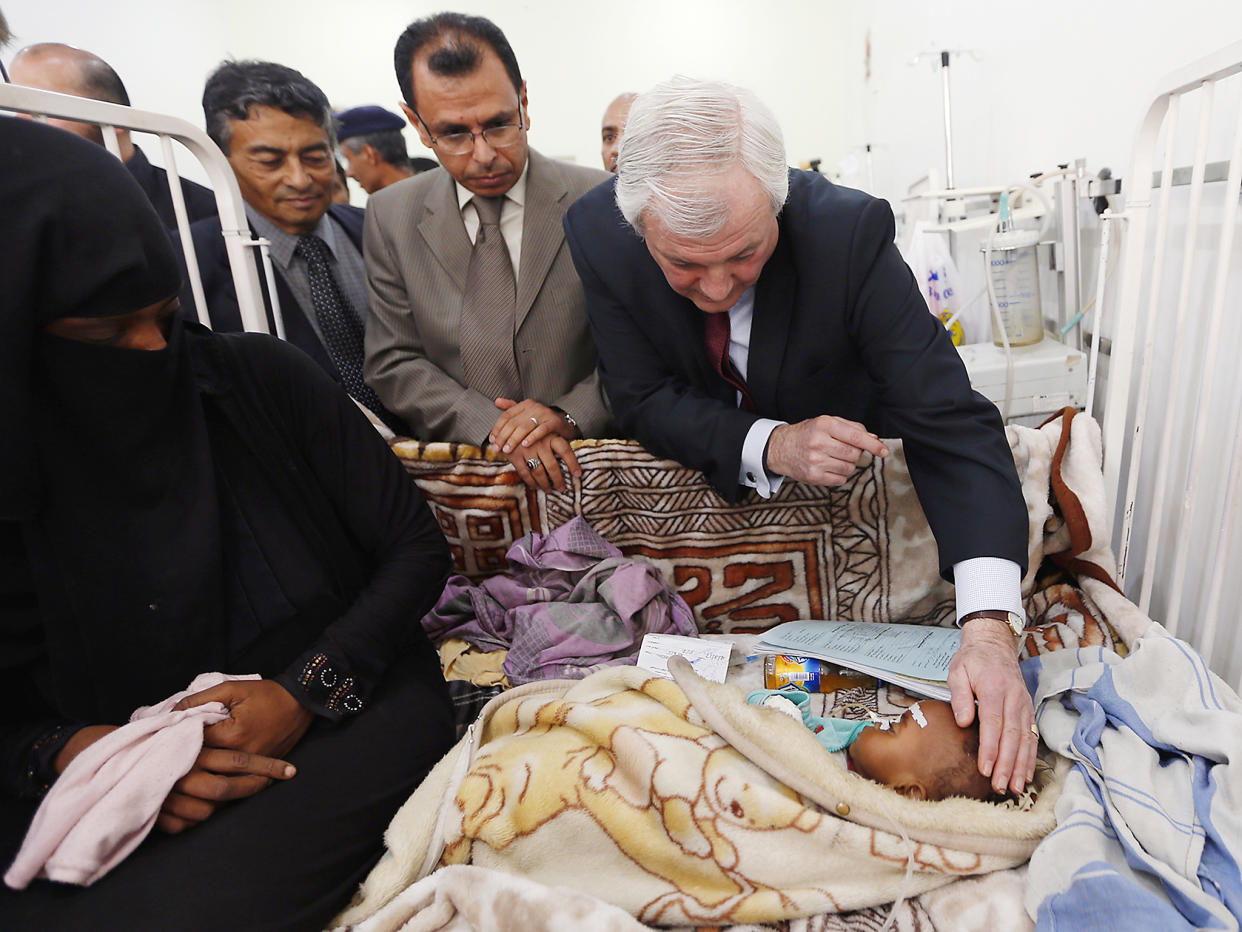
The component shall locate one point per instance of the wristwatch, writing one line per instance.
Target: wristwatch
(569, 418)
(1017, 624)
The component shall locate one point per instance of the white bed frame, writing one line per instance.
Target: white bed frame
(1172, 447)
(238, 240)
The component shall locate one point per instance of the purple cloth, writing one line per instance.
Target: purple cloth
(569, 604)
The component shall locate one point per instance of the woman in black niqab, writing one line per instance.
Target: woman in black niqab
(176, 502)
(111, 463)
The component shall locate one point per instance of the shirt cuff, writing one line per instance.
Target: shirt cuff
(753, 472)
(986, 584)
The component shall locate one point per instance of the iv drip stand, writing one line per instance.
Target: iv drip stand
(948, 120)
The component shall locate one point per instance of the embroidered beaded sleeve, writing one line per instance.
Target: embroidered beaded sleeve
(325, 687)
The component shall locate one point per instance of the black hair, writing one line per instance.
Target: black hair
(101, 82)
(422, 164)
(389, 143)
(459, 52)
(236, 86)
(961, 776)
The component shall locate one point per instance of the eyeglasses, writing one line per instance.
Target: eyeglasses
(498, 137)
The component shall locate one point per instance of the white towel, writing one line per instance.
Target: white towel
(107, 800)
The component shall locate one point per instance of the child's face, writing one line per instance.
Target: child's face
(908, 757)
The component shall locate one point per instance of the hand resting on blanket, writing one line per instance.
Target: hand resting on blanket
(527, 431)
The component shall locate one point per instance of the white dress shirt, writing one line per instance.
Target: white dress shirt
(511, 213)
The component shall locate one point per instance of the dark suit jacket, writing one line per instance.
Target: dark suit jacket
(200, 202)
(840, 327)
(221, 295)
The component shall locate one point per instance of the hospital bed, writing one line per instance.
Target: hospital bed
(1173, 399)
(240, 243)
(482, 508)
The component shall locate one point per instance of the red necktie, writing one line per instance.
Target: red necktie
(716, 336)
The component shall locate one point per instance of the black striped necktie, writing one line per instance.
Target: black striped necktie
(339, 326)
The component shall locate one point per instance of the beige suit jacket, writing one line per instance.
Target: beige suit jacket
(417, 254)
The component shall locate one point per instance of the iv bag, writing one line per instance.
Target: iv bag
(940, 283)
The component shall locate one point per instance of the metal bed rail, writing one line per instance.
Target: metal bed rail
(1174, 354)
(238, 239)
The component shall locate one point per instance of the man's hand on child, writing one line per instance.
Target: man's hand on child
(985, 670)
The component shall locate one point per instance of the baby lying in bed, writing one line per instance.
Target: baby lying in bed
(923, 755)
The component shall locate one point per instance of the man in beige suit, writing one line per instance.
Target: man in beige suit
(458, 345)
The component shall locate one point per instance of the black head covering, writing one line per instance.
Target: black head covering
(77, 239)
(107, 459)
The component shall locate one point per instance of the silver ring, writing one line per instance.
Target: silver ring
(533, 463)
(534, 420)
(1035, 731)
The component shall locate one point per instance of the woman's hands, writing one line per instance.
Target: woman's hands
(82, 739)
(217, 777)
(240, 755)
(263, 717)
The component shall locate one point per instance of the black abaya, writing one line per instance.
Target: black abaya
(219, 504)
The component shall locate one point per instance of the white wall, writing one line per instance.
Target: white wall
(1051, 81)
(575, 56)
(1038, 84)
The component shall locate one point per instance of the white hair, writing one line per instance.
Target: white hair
(682, 135)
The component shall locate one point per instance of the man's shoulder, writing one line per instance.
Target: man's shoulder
(409, 193)
(596, 211)
(813, 196)
(206, 234)
(147, 174)
(577, 179)
(348, 216)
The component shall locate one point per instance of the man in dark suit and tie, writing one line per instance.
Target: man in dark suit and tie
(275, 127)
(759, 324)
(478, 332)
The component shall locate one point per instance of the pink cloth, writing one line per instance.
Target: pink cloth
(107, 800)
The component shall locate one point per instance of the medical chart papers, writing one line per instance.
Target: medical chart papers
(709, 659)
(915, 657)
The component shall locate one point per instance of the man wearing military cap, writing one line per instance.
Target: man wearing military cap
(374, 149)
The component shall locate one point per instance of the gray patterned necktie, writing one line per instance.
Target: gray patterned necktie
(487, 311)
(339, 326)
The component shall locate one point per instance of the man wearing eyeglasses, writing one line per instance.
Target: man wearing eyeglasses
(478, 331)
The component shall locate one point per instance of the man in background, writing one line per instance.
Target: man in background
(275, 127)
(478, 332)
(340, 190)
(51, 66)
(374, 149)
(612, 126)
